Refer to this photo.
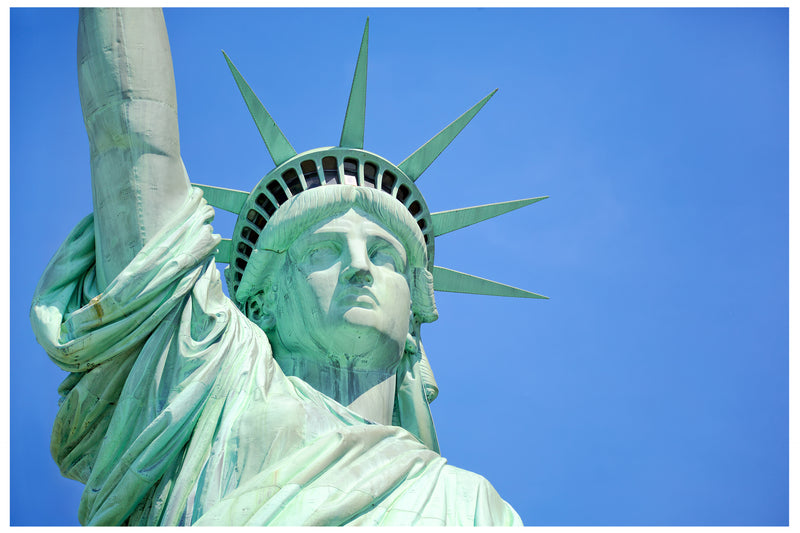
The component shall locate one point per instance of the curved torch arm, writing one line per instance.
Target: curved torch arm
(128, 100)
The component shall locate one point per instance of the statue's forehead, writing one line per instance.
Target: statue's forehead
(354, 221)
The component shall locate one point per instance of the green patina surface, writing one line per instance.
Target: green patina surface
(277, 143)
(305, 400)
(356, 114)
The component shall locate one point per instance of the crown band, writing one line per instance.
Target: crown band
(318, 168)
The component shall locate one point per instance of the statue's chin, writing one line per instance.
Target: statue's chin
(363, 348)
(358, 337)
(371, 329)
(354, 346)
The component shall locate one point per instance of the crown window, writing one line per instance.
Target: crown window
(370, 171)
(244, 249)
(249, 234)
(264, 203)
(254, 217)
(350, 167)
(387, 182)
(293, 182)
(309, 168)
(331, 170)
(402, 192)
(277, 191)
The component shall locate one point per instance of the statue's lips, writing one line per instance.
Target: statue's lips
(358, 297)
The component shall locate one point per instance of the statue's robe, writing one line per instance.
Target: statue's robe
(175, 412)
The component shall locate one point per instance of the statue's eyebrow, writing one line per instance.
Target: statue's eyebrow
(310, 239)
(394, 243)
(321, 236)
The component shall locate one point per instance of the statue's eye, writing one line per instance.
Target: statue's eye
(322, 254)
(384, 254)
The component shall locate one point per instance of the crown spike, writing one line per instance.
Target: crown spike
(277, 144)
(447, 280)
(447, 221)
(224, 251)
(415, 164)
(230, 200)
(354, 118)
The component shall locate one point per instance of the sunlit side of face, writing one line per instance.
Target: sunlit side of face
(345, 293)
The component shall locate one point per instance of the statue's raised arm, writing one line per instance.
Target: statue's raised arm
(128, 99)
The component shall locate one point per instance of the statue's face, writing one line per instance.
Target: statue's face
(345, 289)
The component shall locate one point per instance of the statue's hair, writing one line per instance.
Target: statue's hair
(315, 205)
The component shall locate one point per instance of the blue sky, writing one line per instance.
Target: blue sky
(652, 388)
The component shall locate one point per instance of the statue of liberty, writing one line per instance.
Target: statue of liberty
(301, 399)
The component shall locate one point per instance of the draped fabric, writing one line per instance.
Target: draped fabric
(175, 413)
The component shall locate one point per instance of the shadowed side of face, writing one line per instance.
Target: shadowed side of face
(344, 292)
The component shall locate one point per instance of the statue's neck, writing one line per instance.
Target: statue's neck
(368, 393)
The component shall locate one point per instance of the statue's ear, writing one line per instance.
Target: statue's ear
(260, 312)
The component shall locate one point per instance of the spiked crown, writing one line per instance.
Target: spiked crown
(349, 164)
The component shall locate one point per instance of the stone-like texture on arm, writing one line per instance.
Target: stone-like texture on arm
(128, 99)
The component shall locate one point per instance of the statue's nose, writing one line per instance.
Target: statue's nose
(359, 267)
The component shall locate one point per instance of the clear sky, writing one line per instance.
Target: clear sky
(652, 388)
